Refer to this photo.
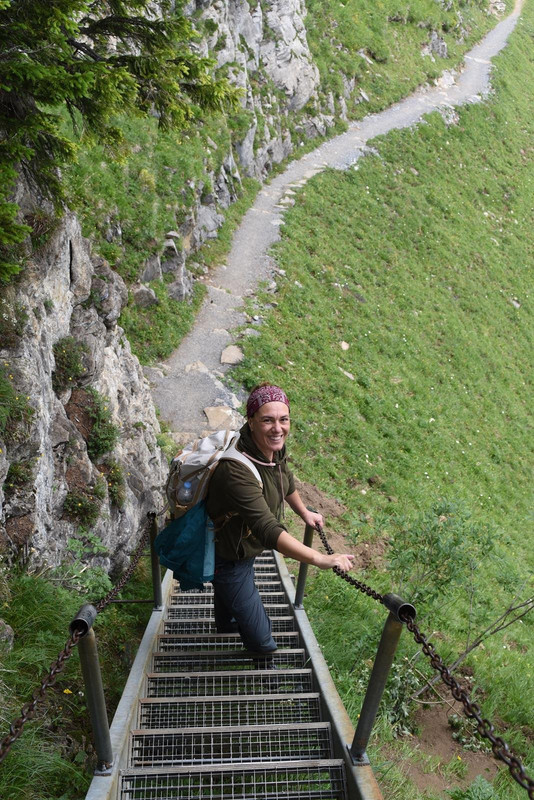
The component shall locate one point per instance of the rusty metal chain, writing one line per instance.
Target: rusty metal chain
(28, 710)
(362, 587)
(134, 561)
(485, 728)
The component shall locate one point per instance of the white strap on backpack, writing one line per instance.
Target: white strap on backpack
(233, 454)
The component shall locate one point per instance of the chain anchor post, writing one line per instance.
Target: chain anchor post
(94, 690)
(154, 562)
(387, 647)
(303, 569)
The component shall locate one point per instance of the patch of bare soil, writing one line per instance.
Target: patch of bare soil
(313, 497)
(76, 410)
(443, 763)
(367, 554)
(19, 530)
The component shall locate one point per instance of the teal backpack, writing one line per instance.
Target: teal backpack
(187, 544)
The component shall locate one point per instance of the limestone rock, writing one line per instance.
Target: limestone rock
(144, 296)
(172, 258)
(152, 270)
(7, 636)
(62, 276)
(182, 438)
(109, 293)
(181, 288)
(232, 355)
(197, 366)
(223, 418)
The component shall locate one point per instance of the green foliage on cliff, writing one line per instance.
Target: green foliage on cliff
(94, 58)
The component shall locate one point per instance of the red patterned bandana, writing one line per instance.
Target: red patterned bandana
(265, 394)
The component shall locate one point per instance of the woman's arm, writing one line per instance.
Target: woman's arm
(291, 547)
(311, 518)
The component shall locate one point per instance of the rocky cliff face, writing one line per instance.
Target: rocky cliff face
(266, 52)
(83, 464)
(85, 457)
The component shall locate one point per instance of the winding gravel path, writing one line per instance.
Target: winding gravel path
(190, 380)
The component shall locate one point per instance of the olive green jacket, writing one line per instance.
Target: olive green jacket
(247, 518)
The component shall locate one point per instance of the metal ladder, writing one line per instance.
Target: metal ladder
(214, 722)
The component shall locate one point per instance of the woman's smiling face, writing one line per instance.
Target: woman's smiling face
(269, 427)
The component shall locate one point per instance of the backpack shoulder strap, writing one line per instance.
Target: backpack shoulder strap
(233, 454)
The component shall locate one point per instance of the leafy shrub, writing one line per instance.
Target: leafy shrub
(84, 506)
(436, 549)
(14, 408)
(13, 317)
(18, 475)
(397, 704)
(465, 733)
(104, 433)
(68, 355)
(114, 474)
(480, 789)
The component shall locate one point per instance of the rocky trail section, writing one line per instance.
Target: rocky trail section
(189, 388)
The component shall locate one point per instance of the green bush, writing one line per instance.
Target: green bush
(18, 475)
(58, 58)
(14, 408)
(114, 475)
(435, 550)
(13, 318)
(68, 355)
(54, 745)
(104, 433)
(83, 506)
(480, 789)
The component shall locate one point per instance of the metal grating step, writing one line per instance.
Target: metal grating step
(202, 661)
(307, 780)
(196, 626)
(215, 641)
(169, 748)
(271, 594)
(220, 684)
(262, 585)
(205, 611)
(197, 712)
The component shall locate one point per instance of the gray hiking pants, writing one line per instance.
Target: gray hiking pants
(238, 605)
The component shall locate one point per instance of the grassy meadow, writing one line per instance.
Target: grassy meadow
(378, 44)
(419, 260)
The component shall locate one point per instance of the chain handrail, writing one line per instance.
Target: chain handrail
(28, 710)
(472, 710)
(134, 561)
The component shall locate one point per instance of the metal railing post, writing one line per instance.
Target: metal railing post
(379, 675)
(156, 571)
(94, 690)
(303, 570)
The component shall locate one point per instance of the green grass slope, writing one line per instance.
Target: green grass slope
(377, 46)
(420, 259)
